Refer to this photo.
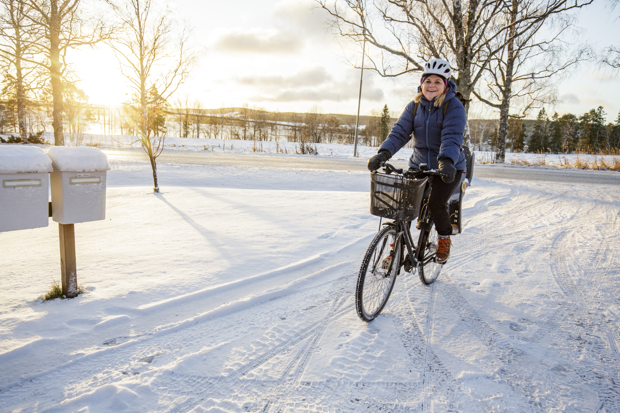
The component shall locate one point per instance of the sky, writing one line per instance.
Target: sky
(281, 55)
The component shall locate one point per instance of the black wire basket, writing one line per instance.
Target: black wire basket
(396, 197)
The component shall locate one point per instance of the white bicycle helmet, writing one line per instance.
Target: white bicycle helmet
(437, 67)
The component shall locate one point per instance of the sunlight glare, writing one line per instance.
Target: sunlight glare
(100, 77)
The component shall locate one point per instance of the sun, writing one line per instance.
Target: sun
(100, 76)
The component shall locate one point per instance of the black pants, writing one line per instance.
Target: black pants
(438, 203)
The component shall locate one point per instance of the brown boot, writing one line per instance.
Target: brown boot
(443, 249)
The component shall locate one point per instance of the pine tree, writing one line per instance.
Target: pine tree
(569, 129)
(539, 141)
(555, 132)
(615, 134)
(518, 144)
(493, 140)
(384, 125)
(592, 125)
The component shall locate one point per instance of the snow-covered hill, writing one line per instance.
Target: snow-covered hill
(232, 291)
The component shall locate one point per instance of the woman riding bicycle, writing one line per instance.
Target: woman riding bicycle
(436, 121)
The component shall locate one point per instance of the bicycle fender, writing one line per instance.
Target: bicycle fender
(390, 223)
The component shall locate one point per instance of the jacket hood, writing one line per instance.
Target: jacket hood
(451, 92)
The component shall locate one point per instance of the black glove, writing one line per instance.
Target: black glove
(375, 161)
(446, 166)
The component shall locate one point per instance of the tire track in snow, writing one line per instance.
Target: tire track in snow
(590, 332)
(508, 355)
(288, 382)
(538, 389)
(221, 385)
(471, 247)
(289, 393)
(437, 381)
(121, 362)
(430, 316)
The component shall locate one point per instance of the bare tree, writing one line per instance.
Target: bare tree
(156, 60)
(245, 119)
(522, 69)
(17, 40)
(479, 129)
(467, 33)
(612, 57)
(611, 54)
(75, 100)
(198, 116)
(62, 26)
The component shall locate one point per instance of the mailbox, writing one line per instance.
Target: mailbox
(24, 187)
(78, 182)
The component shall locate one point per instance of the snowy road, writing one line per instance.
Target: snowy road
(232, 291)
(339, 164)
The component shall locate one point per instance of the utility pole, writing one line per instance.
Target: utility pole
(359, 99)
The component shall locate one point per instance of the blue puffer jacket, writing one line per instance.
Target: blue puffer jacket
(434, 136)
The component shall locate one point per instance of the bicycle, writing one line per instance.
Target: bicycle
(402, 197)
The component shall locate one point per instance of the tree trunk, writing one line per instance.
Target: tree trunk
(21, 101)
(503, 128)
(463, 55)
(154, 168)
(505, 107)
(56, 73)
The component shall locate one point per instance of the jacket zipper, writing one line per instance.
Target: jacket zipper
(428, 153)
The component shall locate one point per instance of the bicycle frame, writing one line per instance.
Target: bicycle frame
(403, 229)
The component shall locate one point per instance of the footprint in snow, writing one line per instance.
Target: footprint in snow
(517, 327)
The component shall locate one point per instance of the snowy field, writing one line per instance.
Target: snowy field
(232, 291)
(324, 150)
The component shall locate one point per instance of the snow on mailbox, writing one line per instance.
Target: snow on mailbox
(24, 187)
(78, 184)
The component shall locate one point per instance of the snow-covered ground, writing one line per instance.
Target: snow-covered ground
(232, 291)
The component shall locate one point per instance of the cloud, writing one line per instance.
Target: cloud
(594, 101)
(302, 16)
(258, 41)
(603, 76)
(325, 93)
(309, 77)
(312, 84)
(570, 98)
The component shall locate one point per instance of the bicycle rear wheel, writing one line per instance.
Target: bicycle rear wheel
(428, 269)
(377, 274)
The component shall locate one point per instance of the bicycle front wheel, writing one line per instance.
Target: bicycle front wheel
(428, 268)
(378, 274)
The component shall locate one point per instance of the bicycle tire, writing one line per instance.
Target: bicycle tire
(427, 243)
(375, 283)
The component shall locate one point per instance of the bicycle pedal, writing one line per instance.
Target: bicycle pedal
(407, 265)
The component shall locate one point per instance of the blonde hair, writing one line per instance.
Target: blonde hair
(438, 100)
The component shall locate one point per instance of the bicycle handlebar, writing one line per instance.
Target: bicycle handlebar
(390, 168)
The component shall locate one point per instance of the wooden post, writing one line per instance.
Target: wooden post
(68, 265)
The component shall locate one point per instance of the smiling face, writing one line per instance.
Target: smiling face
(433, 86)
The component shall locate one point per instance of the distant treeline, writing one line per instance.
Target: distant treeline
(569, 133)
(588, 133)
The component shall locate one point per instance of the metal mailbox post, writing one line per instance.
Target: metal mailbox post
(78, 183)
(24, 187)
